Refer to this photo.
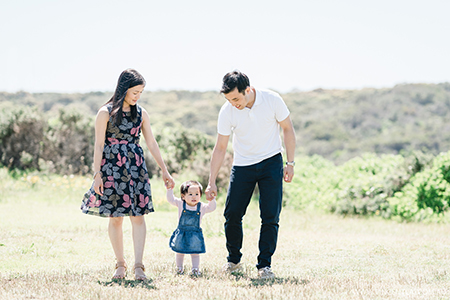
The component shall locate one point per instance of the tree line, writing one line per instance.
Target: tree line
(335, 124)
(368, 152)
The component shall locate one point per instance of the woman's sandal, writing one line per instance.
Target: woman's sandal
(139, 277)
(120, 265)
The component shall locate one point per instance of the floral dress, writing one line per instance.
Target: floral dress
(125, 178)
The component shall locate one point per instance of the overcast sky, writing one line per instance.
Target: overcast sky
(83, 45)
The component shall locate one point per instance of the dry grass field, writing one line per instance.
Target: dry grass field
(50, 250)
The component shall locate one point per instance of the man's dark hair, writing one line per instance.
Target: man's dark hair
(235, 79)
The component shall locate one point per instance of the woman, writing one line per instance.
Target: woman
(121, 184)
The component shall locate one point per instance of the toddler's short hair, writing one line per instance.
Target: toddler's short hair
(185, 186)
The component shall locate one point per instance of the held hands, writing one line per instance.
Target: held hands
(288, 173)
(211, 191)
(168, 180)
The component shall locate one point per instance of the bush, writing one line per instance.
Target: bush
(366, 183)
(427, 195)
(21, 134)
(311, 186)
(187, 150)
(180, 146)
(69, 143)
(361, 186)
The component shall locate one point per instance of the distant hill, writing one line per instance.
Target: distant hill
(336, 124)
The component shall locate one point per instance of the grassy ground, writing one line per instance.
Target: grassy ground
(50, 250)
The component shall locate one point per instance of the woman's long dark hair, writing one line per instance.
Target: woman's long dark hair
(127, 79)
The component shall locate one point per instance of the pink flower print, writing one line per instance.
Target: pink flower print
(135, 131)
(121, 160)
(110, 182)
(138, 128)
(138, 160)
(131, 182)
(143, 201)
(103, 161)
(127, 201)
(93, 202)
(113, 141)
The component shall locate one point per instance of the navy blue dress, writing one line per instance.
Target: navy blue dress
(125, 177)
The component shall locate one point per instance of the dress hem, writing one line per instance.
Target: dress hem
(109, 215)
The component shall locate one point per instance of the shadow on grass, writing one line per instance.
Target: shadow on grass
(129, 283)
(277, 280)
(268, 282)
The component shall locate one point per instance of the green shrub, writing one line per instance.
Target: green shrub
(69, 143)
(187, 150)
(364, 184)
(359, 187)
(427, 195)
(311, 186)
(21, 134)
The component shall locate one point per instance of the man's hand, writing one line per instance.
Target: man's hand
(288, 173)
(211, 191)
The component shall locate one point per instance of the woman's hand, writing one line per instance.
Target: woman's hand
(98, 184)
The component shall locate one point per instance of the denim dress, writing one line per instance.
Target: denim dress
(188, 237)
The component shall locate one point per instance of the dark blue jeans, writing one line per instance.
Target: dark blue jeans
(268, 174)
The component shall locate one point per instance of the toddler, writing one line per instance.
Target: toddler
(188, 237)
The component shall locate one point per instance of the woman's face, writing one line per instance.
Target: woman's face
(133, 95)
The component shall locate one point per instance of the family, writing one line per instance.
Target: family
(121, 185)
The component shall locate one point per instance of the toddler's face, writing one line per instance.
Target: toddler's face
(193, 195)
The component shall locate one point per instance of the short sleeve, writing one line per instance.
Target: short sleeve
(281, 109)
(224, 122)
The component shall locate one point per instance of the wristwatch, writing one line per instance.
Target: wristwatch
(290, 163)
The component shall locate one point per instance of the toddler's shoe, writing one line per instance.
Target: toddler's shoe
(230, 267)
(195, 272)
(180, 271)
(266, 273)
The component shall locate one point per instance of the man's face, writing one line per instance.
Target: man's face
(238, 100)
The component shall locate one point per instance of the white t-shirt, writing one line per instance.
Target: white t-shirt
(256, 133)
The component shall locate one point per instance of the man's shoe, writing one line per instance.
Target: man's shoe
(266, 273)
(230, 267)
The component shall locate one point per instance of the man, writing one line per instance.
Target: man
(254, 117)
